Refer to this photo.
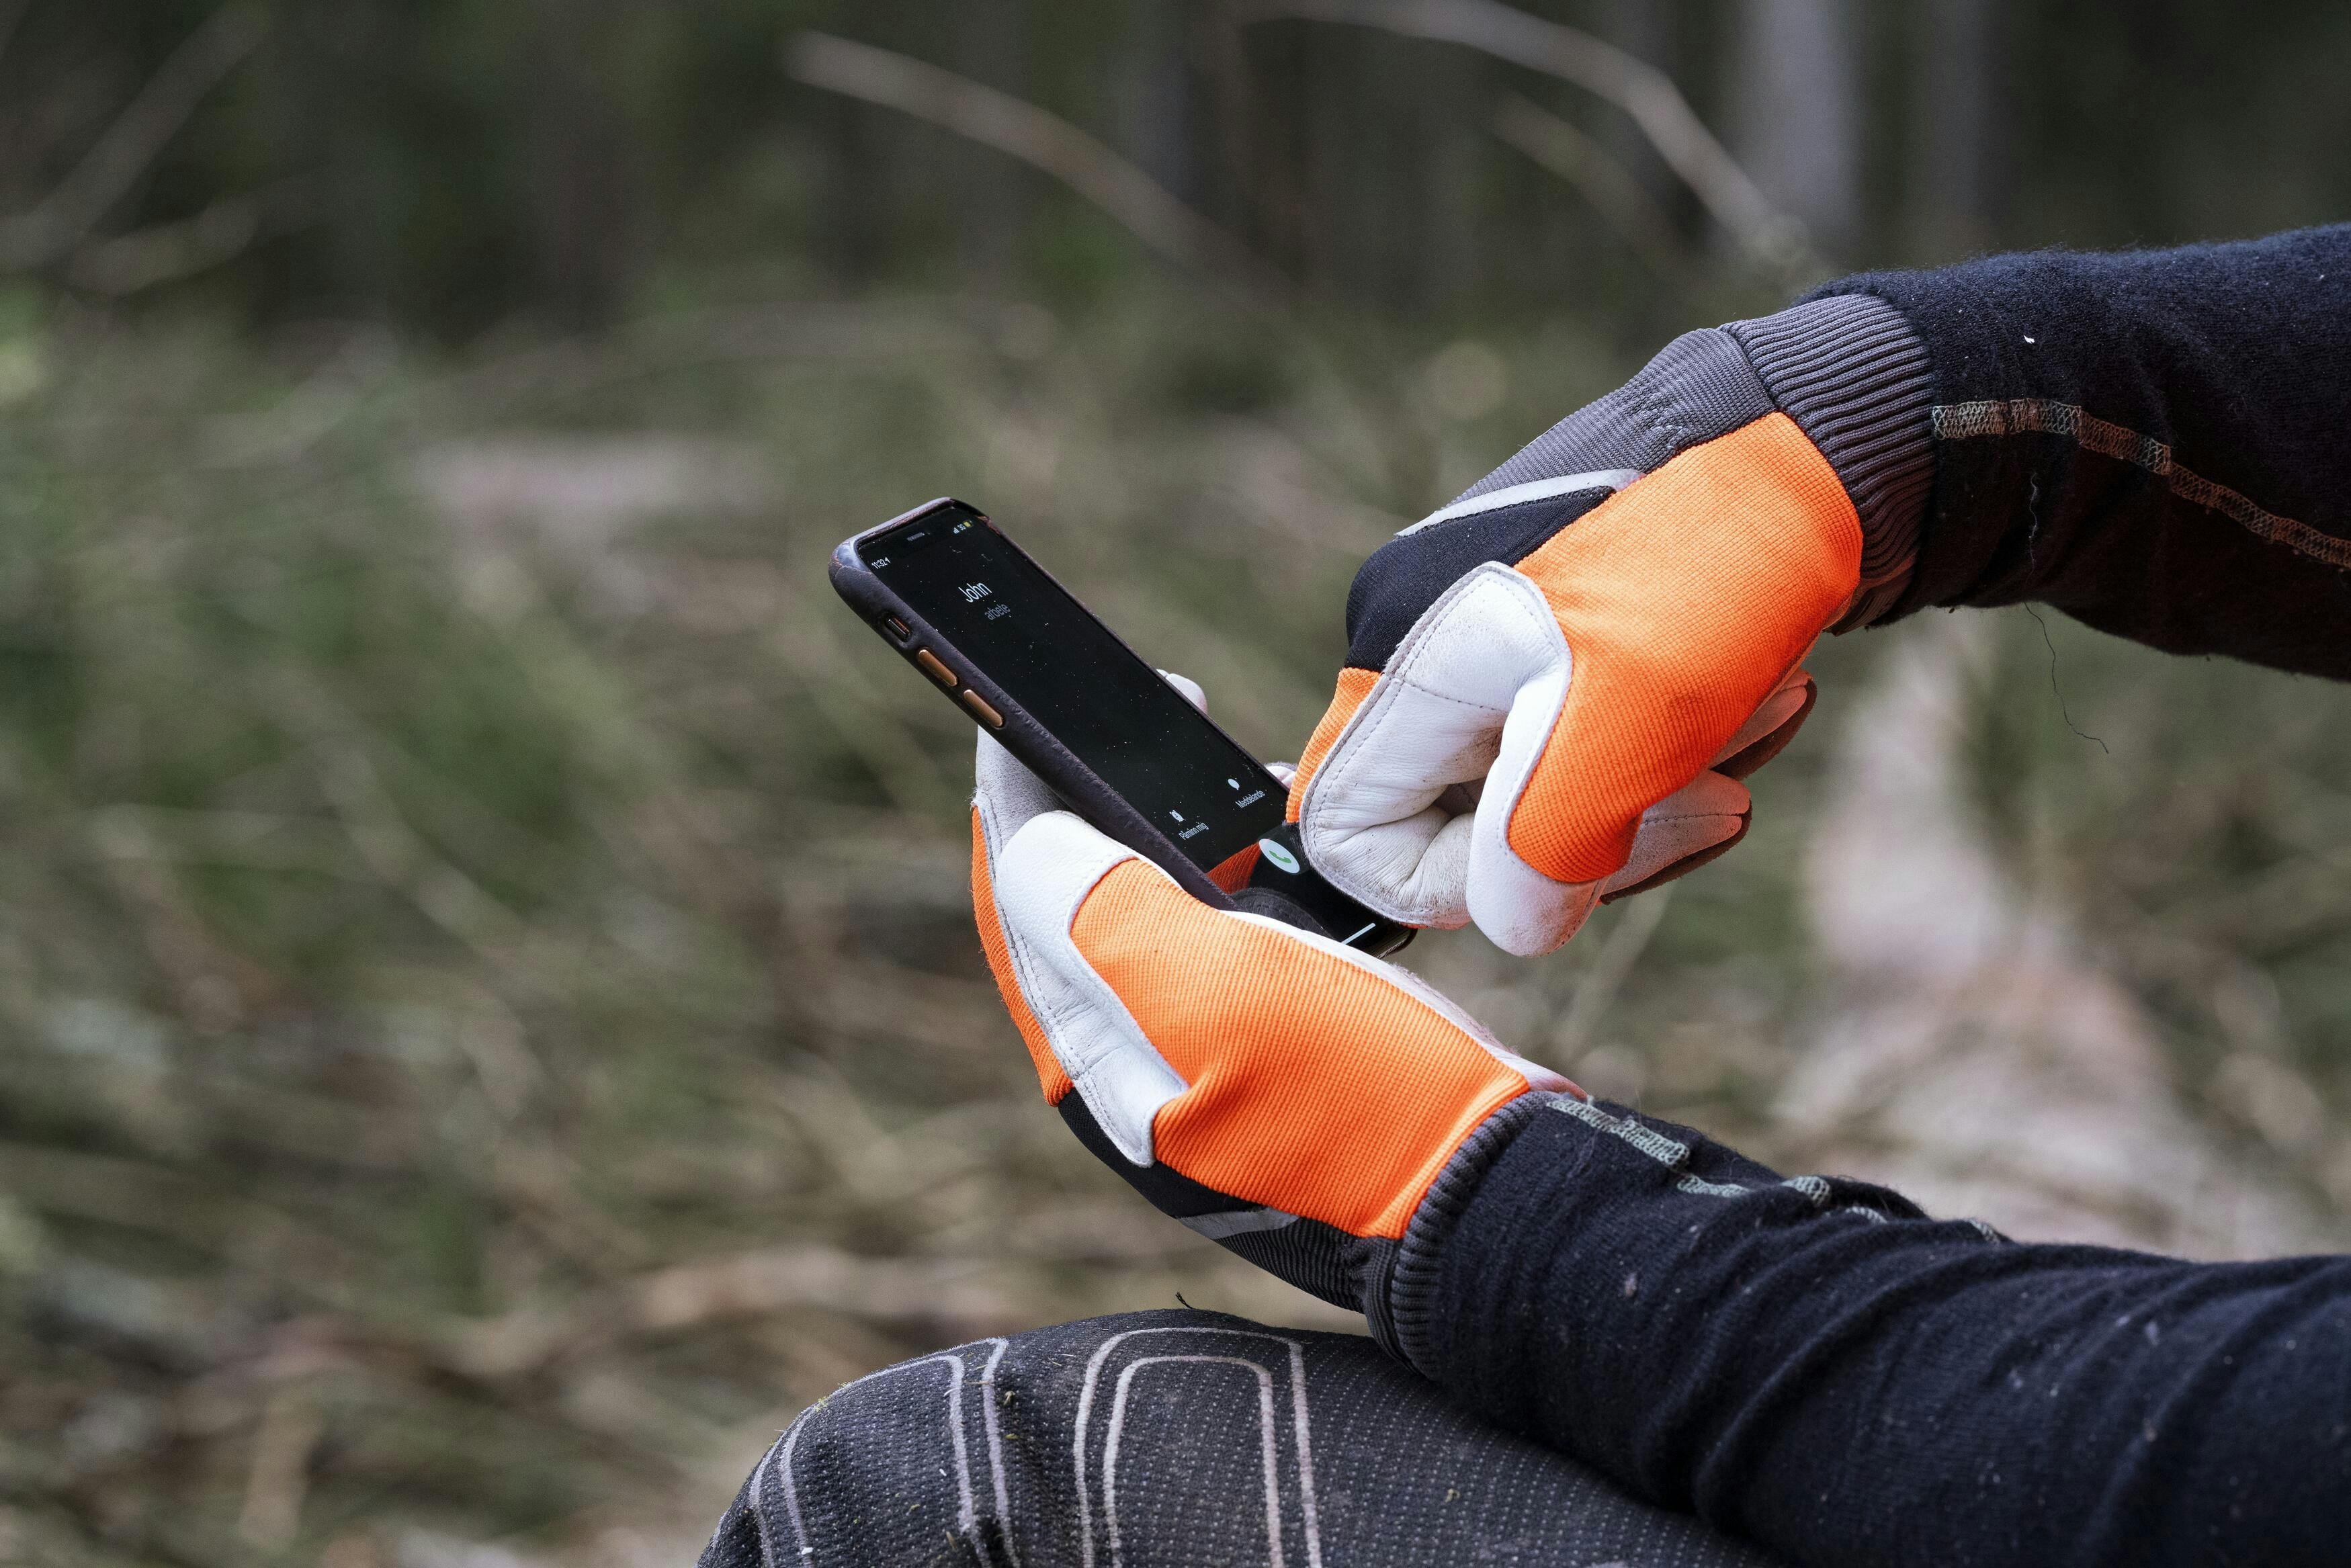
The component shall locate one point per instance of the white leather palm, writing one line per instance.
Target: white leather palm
(1410, 810)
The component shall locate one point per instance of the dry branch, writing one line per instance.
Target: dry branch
(1566, 151)
(1020, 130)
(1643, 91)
(56, 228)
(126, 264)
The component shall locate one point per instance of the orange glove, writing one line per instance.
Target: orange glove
(1556, 683)
(1283, 1094)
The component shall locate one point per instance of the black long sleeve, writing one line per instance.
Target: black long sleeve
(1815, 1365)
(2153, 442)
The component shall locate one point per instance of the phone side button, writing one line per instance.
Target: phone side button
(978, 705)
(935, 667)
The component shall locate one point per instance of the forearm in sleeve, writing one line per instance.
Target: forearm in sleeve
(2152, 440)
(1817, 1367)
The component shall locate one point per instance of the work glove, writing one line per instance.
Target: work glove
(1291, 1098)
(1554, 685)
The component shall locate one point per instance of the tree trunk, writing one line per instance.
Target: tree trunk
(585, 201)
(1157, 121)
(1796, 114)
(1954, 200)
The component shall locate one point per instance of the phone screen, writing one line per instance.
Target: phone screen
(1110, 708)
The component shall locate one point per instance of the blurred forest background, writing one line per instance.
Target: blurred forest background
(488, 1023)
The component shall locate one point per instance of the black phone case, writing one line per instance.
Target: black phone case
(1022, 736)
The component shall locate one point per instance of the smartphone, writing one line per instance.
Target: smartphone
(1020, 656)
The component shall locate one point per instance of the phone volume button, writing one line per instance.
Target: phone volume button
(979, 706)
(935, 667)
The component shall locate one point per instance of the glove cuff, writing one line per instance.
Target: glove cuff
(1853, 376)
(1397, 1281)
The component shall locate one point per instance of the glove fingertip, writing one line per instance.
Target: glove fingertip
(1683, 867)
(1004, 791)
(1775, 724)
(1191, 688)
(1697, 824)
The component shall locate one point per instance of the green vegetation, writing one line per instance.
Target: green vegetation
(486, 980)
(489, 1020)
(485, 966)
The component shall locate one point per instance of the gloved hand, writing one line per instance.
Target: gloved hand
(1290, 1097)
(1555, 684)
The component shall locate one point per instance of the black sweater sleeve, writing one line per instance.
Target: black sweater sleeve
(1815, 1365)
(2152, 442)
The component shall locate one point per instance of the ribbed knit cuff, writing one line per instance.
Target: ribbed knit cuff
(1853, 376)
(1398, 1313)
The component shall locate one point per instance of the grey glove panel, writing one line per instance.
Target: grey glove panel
(1157, 1440)
(1849, 371)
(1699, 386)
(1853, 376)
